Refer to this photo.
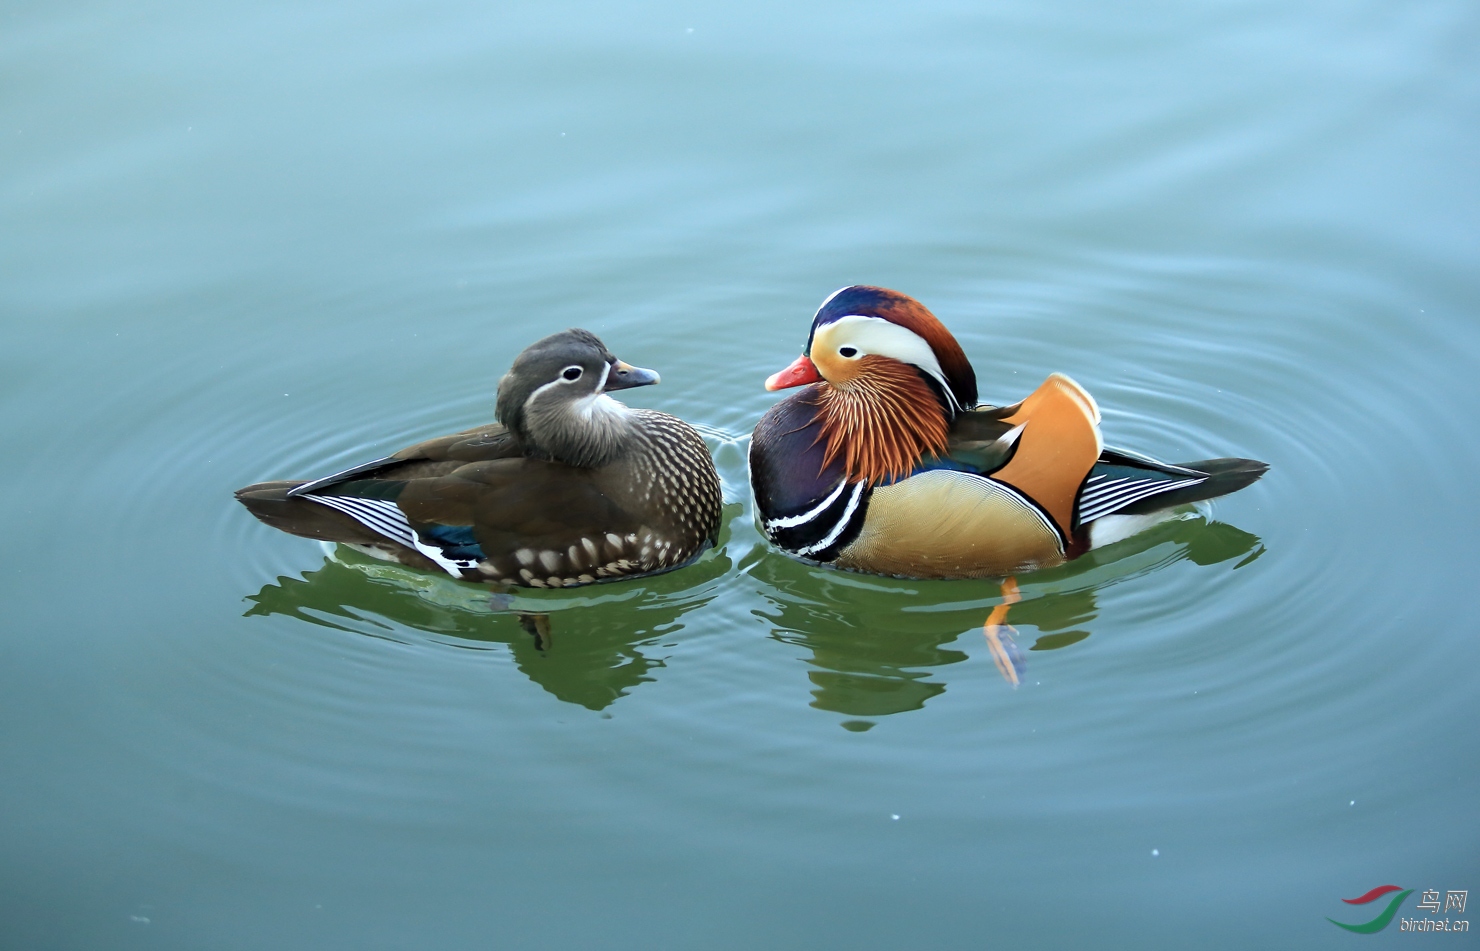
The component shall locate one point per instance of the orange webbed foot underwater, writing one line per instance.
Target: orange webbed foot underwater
(1005, 653)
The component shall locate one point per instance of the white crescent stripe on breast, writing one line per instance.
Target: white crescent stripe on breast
(838, 529)
(792, 521)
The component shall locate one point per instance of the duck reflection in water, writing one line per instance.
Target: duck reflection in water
(589, 646)
(878, 643)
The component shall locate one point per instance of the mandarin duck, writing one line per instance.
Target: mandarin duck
(569, 487)
(885, 463)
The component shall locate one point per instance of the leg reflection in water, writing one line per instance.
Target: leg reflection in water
(1005, 653)
(537, 626)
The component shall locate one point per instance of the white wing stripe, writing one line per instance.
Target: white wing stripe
(1102, 489)
(392, 524)
(1123, 498)
(375, 522)
(384, 517)
(1127, 495)
(1118, 503)
(381, 521)
(1142, 489)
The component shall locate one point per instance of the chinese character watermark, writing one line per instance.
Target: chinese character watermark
(1454, 901)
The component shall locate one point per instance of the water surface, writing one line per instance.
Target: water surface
(248, 241)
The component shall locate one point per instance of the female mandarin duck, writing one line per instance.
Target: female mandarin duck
(569, 488)
(885, 464)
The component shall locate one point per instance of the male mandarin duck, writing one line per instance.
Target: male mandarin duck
(568, 488)
(884, 463)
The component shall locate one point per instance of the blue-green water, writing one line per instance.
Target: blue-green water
(245, 241)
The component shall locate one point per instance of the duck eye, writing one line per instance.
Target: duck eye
(849, 352)
(571, 373)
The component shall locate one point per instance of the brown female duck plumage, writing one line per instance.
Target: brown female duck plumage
(569, 488)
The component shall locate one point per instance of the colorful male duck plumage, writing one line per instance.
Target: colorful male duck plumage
(885, 464)
(569, 488)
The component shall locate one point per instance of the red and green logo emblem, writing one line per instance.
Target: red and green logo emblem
(1382, 920)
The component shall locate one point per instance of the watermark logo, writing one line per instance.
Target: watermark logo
(1454, 901)
(1382, 920)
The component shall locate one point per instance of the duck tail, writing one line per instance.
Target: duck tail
(1224, 476)
(272, 504)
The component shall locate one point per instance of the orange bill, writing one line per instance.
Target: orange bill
(802, 371)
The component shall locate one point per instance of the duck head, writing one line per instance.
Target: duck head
(554, 398)
(858, 328)
(889, 378)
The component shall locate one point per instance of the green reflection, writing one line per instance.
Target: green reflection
(879, 645)
(587, 646)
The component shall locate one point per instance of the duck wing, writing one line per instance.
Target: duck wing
(430, 457)
(1048, 446)
(358, 505)
(1128, 483)
(981, 440)
(1043, 447)
(473, 505)
(523, 520)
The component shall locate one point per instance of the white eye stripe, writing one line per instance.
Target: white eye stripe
(530, 400)
(606, 369)
(561, 380)
(875, 335)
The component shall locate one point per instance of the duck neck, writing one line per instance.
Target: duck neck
(881, 422)
(590, 432)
